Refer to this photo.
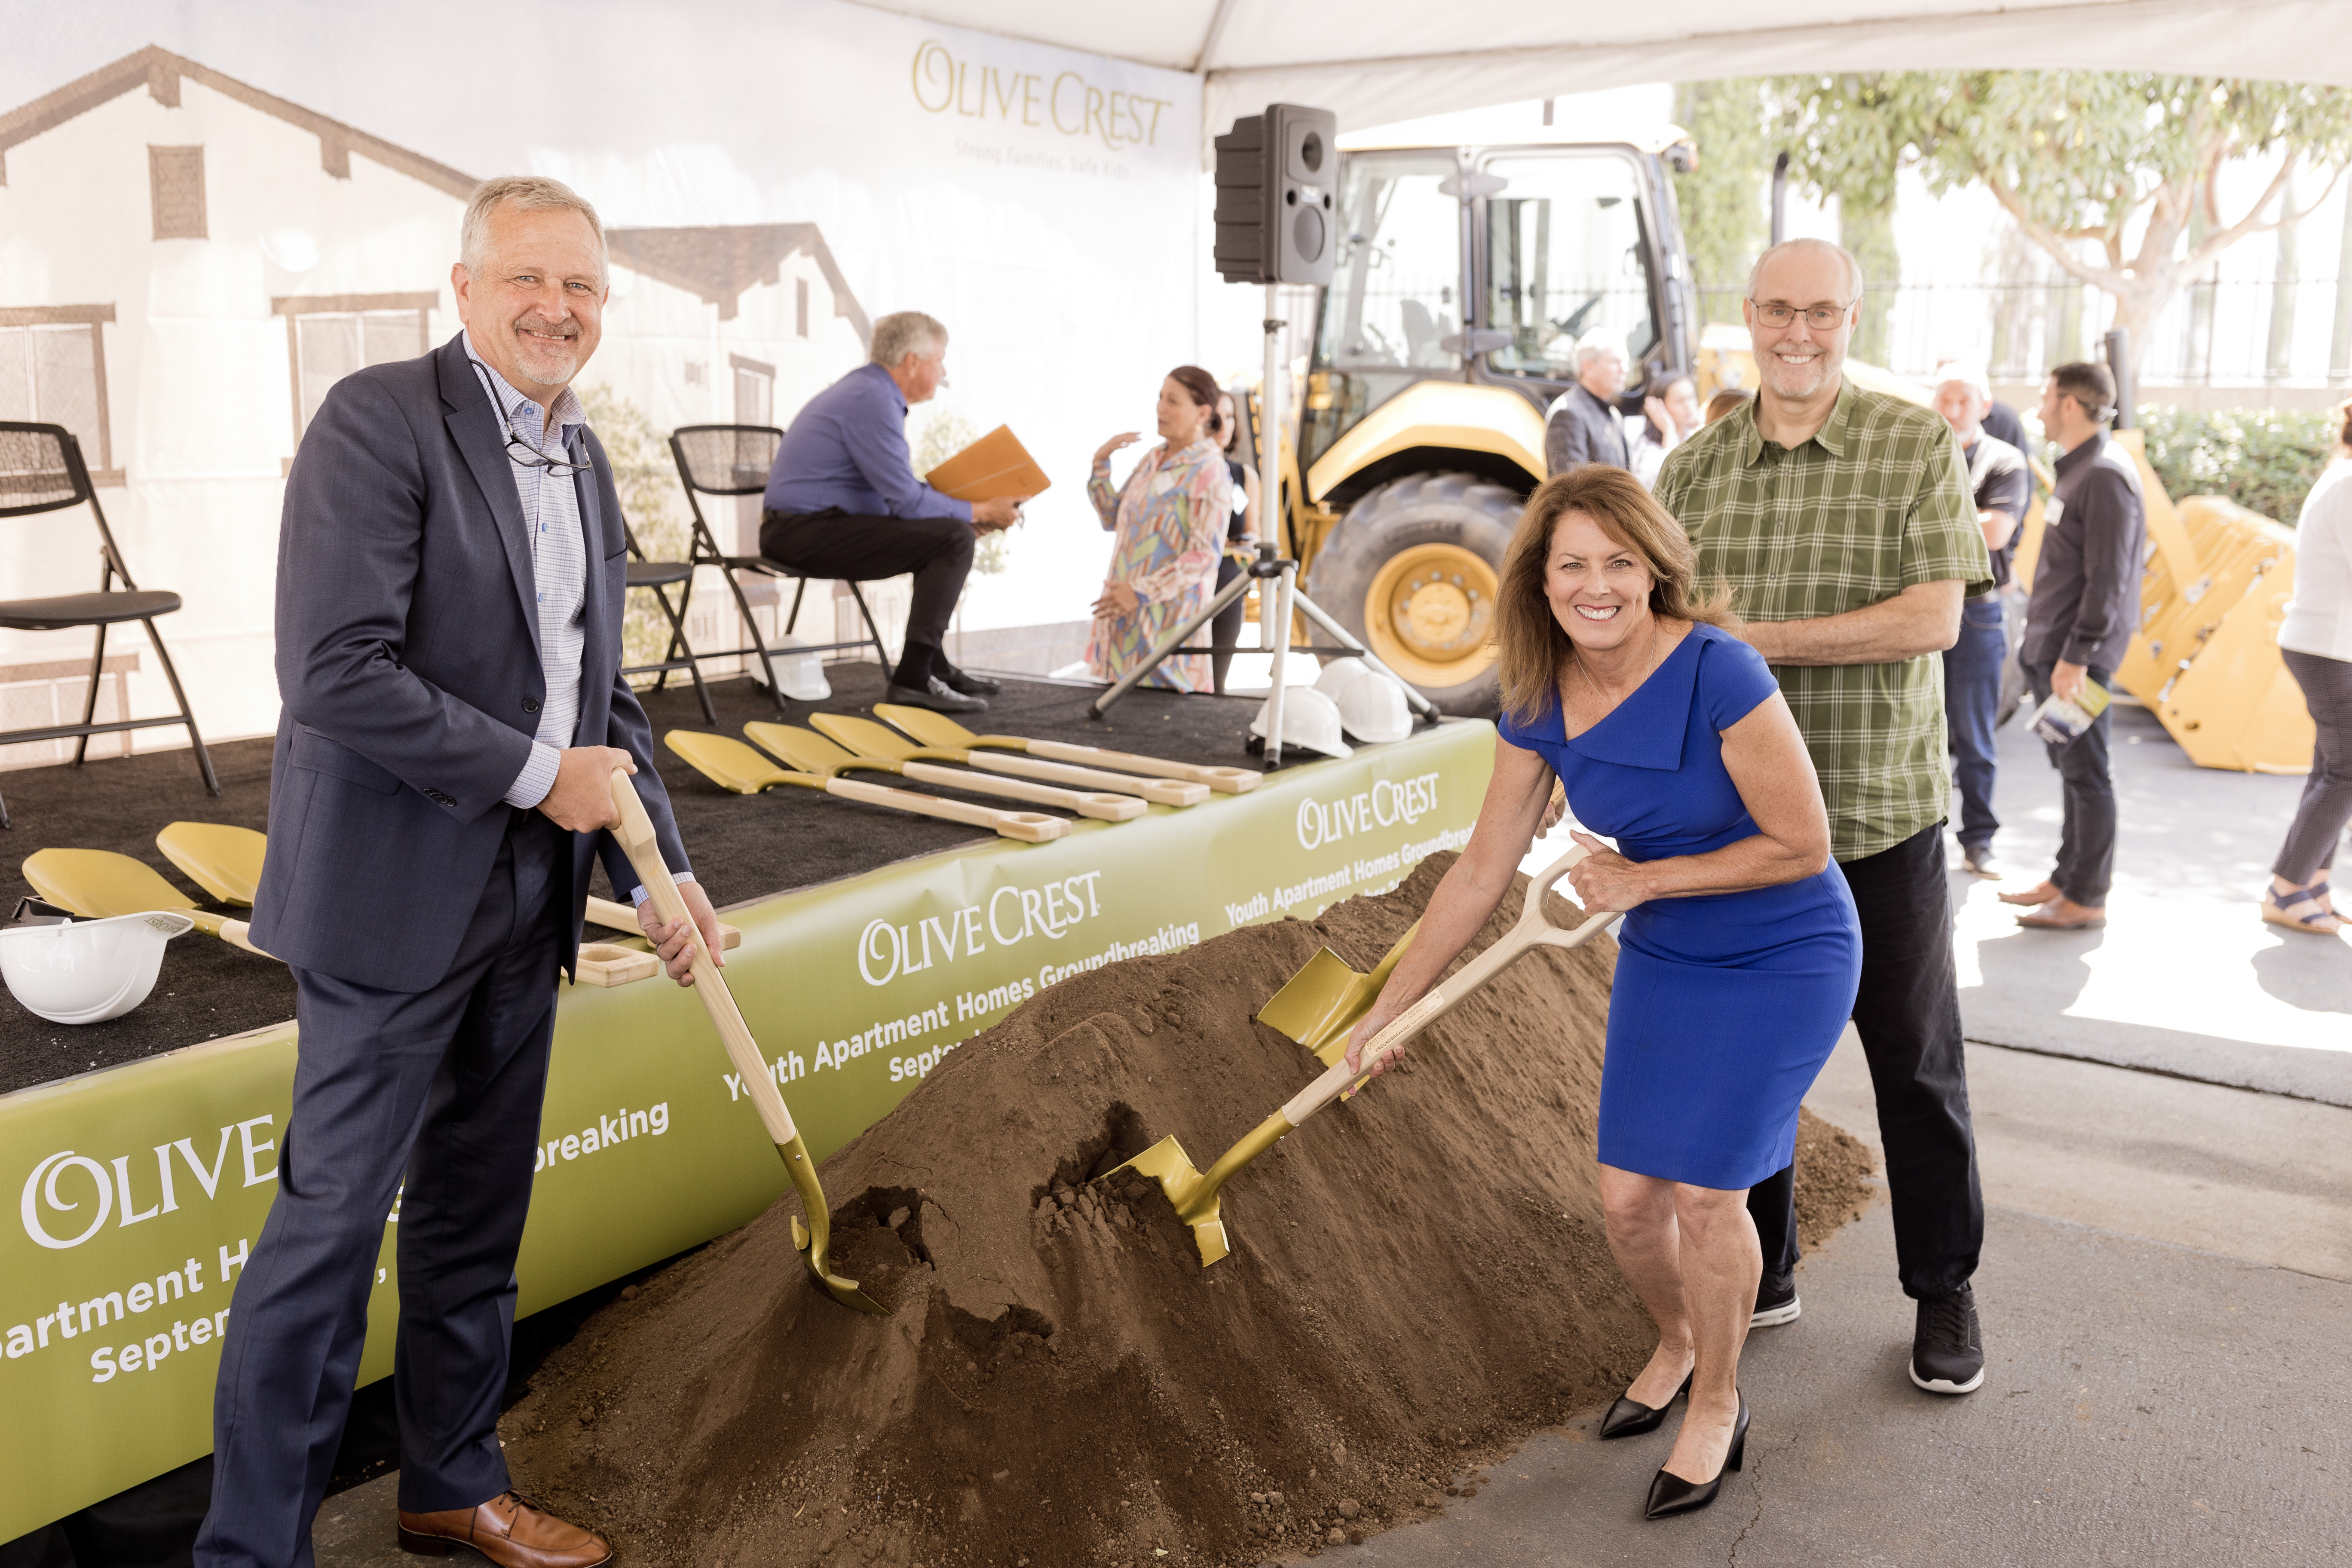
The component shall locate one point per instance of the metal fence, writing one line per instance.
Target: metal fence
(2214, 332)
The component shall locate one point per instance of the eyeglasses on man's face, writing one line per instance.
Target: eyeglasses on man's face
(1821, 318)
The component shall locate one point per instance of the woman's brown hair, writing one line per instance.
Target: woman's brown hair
(1202, 388)
(1534, 648)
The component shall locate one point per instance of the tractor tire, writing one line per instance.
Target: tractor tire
(1413, 570)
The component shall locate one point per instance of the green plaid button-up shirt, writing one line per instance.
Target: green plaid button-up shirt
(1876, 502)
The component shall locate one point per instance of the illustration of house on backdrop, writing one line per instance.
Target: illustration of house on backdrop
(187, 263)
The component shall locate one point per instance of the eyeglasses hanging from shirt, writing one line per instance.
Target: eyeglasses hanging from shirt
(518, 449)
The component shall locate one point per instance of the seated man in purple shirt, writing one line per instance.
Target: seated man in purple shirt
(843, 502)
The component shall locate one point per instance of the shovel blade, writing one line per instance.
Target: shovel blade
(1308, 1003)
(1167, 1163)
(844, 1292)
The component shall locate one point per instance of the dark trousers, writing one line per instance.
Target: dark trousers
(1972, 668)
(2326, 804)
(2086, 836)
(937, 550)
(1226, 631)
(443, 1086)
(1908, 1013)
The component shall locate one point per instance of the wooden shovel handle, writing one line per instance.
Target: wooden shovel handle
(1161, 792)
(1089, 804)
(1029, 826)
(1232, 780)
(635, 835)
(1534, 929)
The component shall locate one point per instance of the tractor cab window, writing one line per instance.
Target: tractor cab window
(1392, 313)
(1396, 289)
(1566, 243)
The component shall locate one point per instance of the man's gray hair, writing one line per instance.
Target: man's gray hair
(1593, 345)
(525, 194)
(1969, 375)
(903, 332)
(1823, 246)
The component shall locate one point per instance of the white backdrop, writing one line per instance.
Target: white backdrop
(1043, 202)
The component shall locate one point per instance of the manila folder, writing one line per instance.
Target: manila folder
(995, 465)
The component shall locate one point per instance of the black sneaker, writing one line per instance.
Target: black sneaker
(1948, 1348)
(1775, 1302)
(936, 694)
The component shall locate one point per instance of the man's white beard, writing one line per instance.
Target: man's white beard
(1800, 381)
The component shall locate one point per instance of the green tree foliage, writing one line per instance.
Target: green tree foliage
(2263, 458)
(652, 502)
(2121, 162)
(1722, 199)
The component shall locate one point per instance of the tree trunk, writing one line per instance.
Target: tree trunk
(2278, 360)
(1869, 233)
(2339, 346)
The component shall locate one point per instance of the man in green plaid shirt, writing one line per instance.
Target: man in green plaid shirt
(1842, 519)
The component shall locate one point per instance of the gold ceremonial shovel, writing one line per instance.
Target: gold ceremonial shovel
(635, 836)
(1195, 1195)
(938, 730)
(1321, 1004)
(813, 753)
(732, 765)
(98, 884)
(226, 862)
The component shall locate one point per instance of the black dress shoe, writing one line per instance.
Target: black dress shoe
(1631, 1417)
(1947, 1347)
(1670, 1494)
(936, 694)
(971, 685)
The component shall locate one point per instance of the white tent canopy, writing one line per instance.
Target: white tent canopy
(1375, 61)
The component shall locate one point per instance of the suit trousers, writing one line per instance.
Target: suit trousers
(1972, 672)
(1908, 1013)
(445, 1086)
(938, 550)
(2326, 804)
(2087, 834)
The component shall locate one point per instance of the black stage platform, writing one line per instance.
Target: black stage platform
(743, 849)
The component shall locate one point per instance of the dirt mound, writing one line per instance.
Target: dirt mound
(1419, 1276)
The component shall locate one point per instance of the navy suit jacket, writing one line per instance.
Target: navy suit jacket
(1583, 429)
(408, 666)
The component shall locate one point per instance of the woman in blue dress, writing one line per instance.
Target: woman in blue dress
(1739, 952)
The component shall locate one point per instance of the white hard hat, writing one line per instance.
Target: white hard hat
(1310, 720)
(85, 972)
(1340, 675)
(1374, 709)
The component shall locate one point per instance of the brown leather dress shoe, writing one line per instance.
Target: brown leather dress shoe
(510, 1530)
(2034, 897)
(2063, 913)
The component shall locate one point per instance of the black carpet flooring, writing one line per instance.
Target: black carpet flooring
(743, 847)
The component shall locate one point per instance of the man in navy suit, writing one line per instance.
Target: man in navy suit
(450, 574)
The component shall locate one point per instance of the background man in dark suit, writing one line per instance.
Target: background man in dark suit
(451, 575)
(1584, 427)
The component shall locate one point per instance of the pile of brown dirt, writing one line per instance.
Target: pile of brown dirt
(1419, 1276)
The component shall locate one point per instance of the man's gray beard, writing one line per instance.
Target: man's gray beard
(570, 368)
(1826, 368)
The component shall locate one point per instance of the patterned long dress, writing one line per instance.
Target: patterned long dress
(1171, 523)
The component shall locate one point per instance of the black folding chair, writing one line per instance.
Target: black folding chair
(41, 470)
(735, 460)
(656, 577)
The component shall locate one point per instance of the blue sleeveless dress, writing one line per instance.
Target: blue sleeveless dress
(1724, 1005)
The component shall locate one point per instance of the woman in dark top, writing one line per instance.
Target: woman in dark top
(1240, 542)
(1738, 957)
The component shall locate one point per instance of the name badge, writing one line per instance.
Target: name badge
(2052, 511)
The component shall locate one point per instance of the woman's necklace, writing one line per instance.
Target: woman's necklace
(1608, 703)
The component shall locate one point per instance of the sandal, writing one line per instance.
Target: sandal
(2275, 905)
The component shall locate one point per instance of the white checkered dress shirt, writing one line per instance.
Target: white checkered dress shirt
(558, 564)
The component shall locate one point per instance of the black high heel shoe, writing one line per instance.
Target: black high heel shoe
(1631, 1417)
(1670, 1494)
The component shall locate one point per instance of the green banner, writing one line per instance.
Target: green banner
(141, 1189)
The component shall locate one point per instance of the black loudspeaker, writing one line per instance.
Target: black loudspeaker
(1277, 185)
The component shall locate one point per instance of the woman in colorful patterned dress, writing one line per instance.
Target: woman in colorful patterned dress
(1171, 523)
